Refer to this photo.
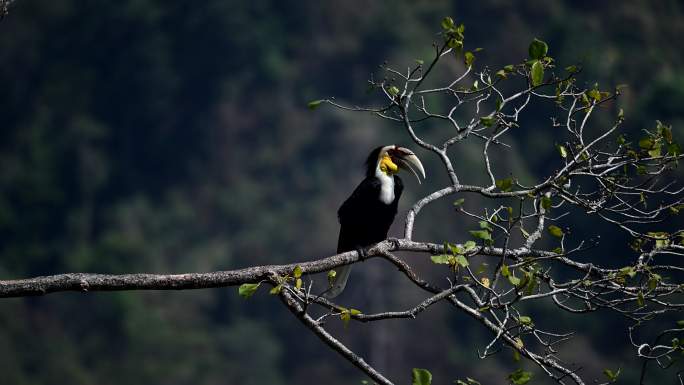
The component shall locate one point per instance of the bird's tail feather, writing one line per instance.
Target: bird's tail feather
(339, 282)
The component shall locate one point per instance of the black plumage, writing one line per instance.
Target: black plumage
(364, 218)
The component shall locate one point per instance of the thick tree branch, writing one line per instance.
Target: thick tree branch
(85, 282)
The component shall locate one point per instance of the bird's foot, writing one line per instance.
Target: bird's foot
(395, 242)
(362, 253)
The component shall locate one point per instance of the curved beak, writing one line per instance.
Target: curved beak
(407, 160)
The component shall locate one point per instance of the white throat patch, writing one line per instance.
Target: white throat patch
(386, 186)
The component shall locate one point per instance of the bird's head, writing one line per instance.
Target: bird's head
(389, 159)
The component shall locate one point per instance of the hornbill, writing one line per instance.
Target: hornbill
(366, 216)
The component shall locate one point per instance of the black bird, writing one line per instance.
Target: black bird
(366, 216)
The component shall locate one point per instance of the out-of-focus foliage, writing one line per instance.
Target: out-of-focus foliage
(157, 136)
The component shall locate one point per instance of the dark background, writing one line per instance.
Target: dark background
(159, 136)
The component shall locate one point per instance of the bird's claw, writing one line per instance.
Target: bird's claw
(395, 242)
(362, 253)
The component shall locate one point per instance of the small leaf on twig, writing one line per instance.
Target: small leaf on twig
(562, 151)
(421, 377)
(276, 289)
(640, 299)
(442, 259)
(555, 231)
(461, 260)
(331, 277)
(468, 59)
(538, 49)
(520, 377)
(537, 73)
(504, 184)
(612, 376)
(481, 234)
(314, 104)
(246, 290)
(515, 281)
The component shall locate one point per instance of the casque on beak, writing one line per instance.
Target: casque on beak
(407, 160)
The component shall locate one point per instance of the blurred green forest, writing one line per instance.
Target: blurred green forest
(173, 136)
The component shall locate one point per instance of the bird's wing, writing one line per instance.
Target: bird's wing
(367, 187)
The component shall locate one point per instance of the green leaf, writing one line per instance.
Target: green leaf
(314, 104)
(246, 290)
(640, 299)
(461, 260)
(447, 23)
(673, 149)
(524, 233)
(394, 91)
(665, 131)
(562, 151)
(503, 75)
(421, 377)
(546, 202)
(354, 311)
(345, 316)
(612, 376)
(487, 121)
(509, 68)
(468, 59)
(646, 143)
(298, 283)
(655, 152)
(481, 234)
(519, 343)
(456, 43)
(505, 271)
(538, 49)
(594, 94)
(499, 104)
(520, 377)
(331, 277)
(662, 239)
(525, 320)
(276, 289)
(627, 271)
(515, 281)
(504, 184)
(420, 62)
(470, 245)
(680, 323)
(572, 69)
(442, 259)
(297, 272)
(485, 225)
(537, 73)
(653, 281)
(455, 249)
(459, 202)
(555, 231)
